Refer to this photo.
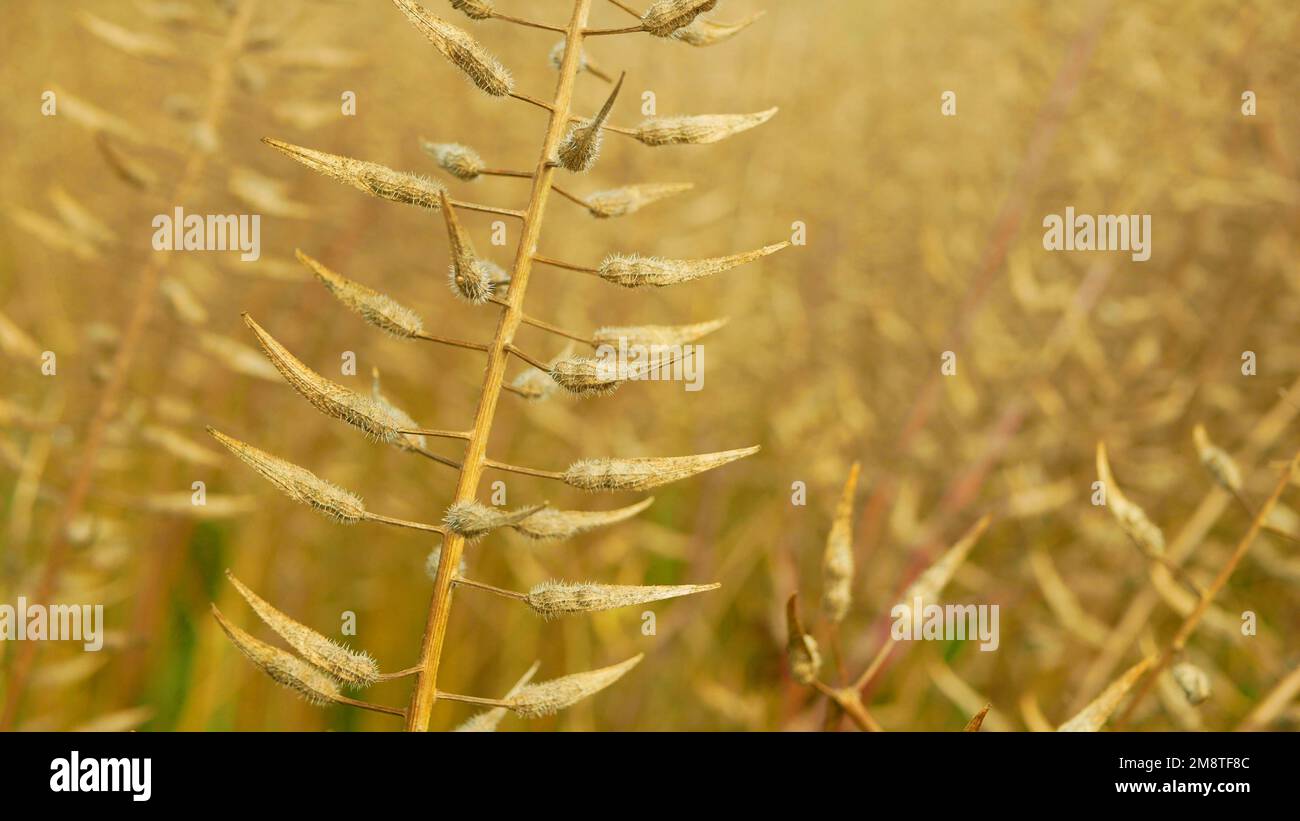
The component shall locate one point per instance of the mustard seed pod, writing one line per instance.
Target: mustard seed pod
(132, 43)
(634, 270)
(284, 668)
(619, 202)
(1216, 461)
(342, 663)
(549, 697)
(581, 146)
(586, 376)
(237, 356)
(1132, 519)
(408, 441)
(298, 483)
(535, 384)
(667, 16)
(936, 577)
(549, 524)
(643, 473)
(464, 52)
(801, 648)
(460, 161)
(330, 398)
(1193, 681)
(700, 129)
(187, 307)
(378, 309)
(649, 335)
(434, 560)
(474, 520)
(474, 9)
(701, 32)
(488, 720)
(837, 560)
(1094, 716)
(553, 599)
(469, 278)
(95, 119)
(373, 178)
(80, 218)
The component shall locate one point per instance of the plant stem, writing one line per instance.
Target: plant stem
(435, 631)
(486, 702)
(500, 591)
(446, 340)
(389, 520)
(144, 302)
(366, 705)
(568, 266)
(496, 15)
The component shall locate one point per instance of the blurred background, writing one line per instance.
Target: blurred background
(923, 235)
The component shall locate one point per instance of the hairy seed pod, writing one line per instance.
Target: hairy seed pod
(1094, 716)
(837, 561)
(474, 520)
(330, 398)
(285, 668)
(474, 9)
(434, 560)
(373, 178)
(348, 666)
(643, 473)
(549, 697)
(552, 599)
(409, 441)
(585, 376)
(297, 483)
(700, 129)
(469, 278)
(460, 161)
(378, 309)
(801, 648)
(581, 146)
(1193, 681)
(535, 384)
(177, 444)
(464, 52)
(619, 202)
(649, 335)
(488, 720)
(1216, 461)
(931, 583)
(556, 57)
(1132, 519)
(548, 524)
(79, 217)
(703, 32)
(634, 270)
(667, 16)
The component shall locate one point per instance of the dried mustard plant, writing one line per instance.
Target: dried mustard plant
(571, 142)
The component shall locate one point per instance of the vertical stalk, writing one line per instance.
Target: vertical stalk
(144, 301)
(435, 630)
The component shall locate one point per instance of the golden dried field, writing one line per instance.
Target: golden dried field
(916, 325)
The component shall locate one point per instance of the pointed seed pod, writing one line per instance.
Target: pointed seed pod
(535, 384)
(460, 161)
(586, 376)
(464, 52)
(703, 32)
(977, 720)
(553, 599)
(549, 697)
(667, 16)
(297, 483)
(346, 665)
(469, 278)
(330, 398)
(800, 648)
(650, 335)
(488, 720)
(409, 441)
(474, 9)
(434, 560)
(549, 524)
(581, 146)
(634, 270)
(1132, 519)
(643, 473)
(1217, 462)
(837, 561)
(285, 668)
(371, 177)
(619, 202)
(378, 309)
(474, 520)
(700, 129)
(931, 583)
(1094, 716)
(1193, 681)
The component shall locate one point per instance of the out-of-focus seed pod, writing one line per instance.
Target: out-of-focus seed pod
(619, 202)
(1217, 462)
(837, 560)
(488, 720)
(1094, 716)
(1132, 519)
(474, 9)
(549, 524)
(703, 32)
(931, 583)
(667, 16)
(549, 697)
(460, 161)
(1193, 680)
(801, 648)
(699, 129)
(643, 473)
(464, 52)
